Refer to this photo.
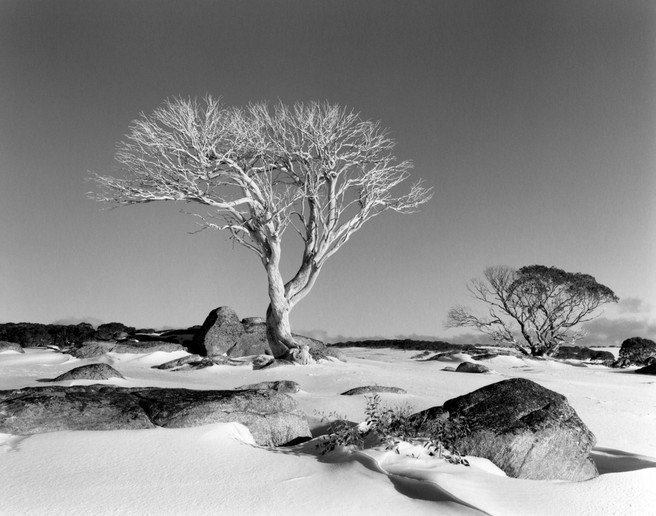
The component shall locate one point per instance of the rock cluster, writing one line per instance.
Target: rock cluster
(272, 417)
(223, 333)
(637, 350)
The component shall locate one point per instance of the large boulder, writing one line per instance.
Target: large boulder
(147, 347)
(272, 417)
(221, 331)
(35, 410)
(223, 334)
(525, 429)
(637, 350)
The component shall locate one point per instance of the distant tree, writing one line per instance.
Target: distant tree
(534, 308)
(317, 168)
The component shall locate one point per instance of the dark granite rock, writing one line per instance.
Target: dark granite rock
(583, 353)
(471, 367)
(90, 372)
(650, 369)
(525, 429)
(638, 350)
(369, 389)
(221, 331)
(285, 386)
(272, 417)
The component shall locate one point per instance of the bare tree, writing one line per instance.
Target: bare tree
(317, 168)
(534, 308)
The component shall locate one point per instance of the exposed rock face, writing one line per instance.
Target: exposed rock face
(583, 353)
(638, 350)
(650, 369)
(526, 430)
(286, 386)
(10, 346)
(368, 389)
(221, 331)
(471, 367)
(90, 372)
(272, 417)
(224, 334)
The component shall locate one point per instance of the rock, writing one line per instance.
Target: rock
(248, 321)
(179, 362)
(35, 410)
(263, 361)
(285, 386)
(583, 353)
(91, 349)
(272, 417)
(421, 355)
(221, 331)
(638, 350)
(10, 346)
(621, 363)
(368, 389)
(253, 341)
(89, 372)
(471, 367)
(485, 356)
(526, 430)
(650, 369)
(113, 331)
(147, 347)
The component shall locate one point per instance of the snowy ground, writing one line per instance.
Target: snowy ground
(216, 469)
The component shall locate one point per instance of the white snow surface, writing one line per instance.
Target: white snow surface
(218, 469)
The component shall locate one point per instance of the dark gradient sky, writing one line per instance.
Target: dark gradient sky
(535, 121)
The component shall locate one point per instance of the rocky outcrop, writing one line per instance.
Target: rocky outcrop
(583, 353)
(525, 429)
(271, 417)
(471, 367)
(637, 350)
(221, 331)
(10, 346)
(369, 389)
(89, 372)
(223, 334)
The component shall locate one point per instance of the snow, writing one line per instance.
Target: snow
(217, 469)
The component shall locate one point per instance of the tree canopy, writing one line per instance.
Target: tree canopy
(259, 170)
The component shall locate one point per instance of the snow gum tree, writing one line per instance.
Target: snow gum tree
(534, 308)
(316, 169)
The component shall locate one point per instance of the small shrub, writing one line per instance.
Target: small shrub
(393, 426)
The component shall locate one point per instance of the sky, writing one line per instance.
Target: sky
(534, 122)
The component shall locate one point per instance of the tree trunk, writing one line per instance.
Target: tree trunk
(279, 335)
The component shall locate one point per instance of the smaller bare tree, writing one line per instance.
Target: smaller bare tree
(534, 308)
